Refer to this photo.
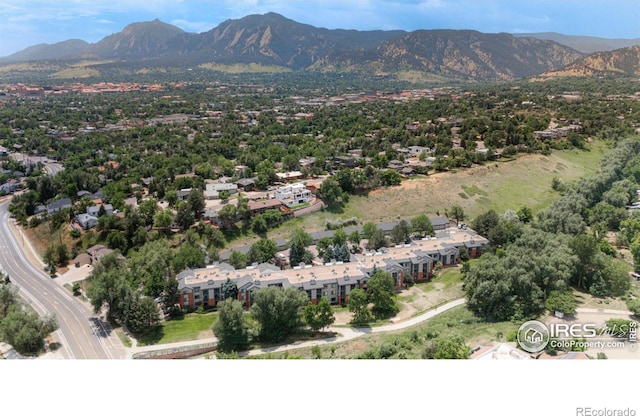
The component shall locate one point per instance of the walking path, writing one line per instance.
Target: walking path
(609, 311)
(343, 334)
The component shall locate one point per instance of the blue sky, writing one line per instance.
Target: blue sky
(25, 23)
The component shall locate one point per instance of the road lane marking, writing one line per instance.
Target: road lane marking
(27, 269)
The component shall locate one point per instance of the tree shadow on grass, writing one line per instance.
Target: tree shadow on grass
(153, 336)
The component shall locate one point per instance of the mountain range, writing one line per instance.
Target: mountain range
(275, 41)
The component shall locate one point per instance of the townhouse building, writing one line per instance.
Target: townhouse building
(334, 280)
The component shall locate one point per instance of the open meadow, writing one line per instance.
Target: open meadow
(500, 185)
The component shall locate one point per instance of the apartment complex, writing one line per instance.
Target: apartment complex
(336, 280)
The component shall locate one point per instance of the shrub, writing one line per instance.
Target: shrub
(76, 288)
(386, 350)
(339, 223)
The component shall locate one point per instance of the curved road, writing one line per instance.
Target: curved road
(82, 335)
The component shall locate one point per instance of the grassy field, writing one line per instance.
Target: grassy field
(189, 327)
(498, 185)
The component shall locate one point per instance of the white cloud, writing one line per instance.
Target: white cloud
(197, 27)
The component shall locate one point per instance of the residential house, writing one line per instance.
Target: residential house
(82, 259)
(407, 171)
(294, 194)
(289, 176)
(9, 187)
(395, 165)
(97, 252)
(183, 194)
(95, 210)
(86, 221)
(246, 184)
(258, 207)
(344, 161)
(416, 151)
(212, 190)
(59, 205)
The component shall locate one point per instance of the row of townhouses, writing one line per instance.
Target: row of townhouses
(334, 280)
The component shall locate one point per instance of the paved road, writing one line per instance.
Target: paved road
(81, 335)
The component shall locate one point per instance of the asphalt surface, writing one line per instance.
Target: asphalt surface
(81, 335)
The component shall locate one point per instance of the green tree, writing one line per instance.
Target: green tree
(229, 289)
(49, 256)
(339, 237)
(228, 215)
(238, 259)
(524, 214)
(152, 264)
(515, 284)
(108, 285)
(400, 232)
(231, 328)
(563, 302)
(188, 256)
(259, 225)
(320, 315)
(380, 289)
(24, 330)
(422, 226)
(140, 313)
(147, 209)
(390, 177)
(368, 229)
(332, 194)
(278, 312)
(62, 255)
(377, 240)
(298, 243)
(358, 303)
(484, 223)
(635, 252)
(355, 238)
(457, 213)
(447, 348)
(162, 219)
(184, 216)
(195, 202)
(263, 251)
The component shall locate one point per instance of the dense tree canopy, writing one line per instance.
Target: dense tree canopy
(230, 327)
(278, 312)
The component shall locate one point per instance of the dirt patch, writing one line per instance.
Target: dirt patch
(422, 297)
